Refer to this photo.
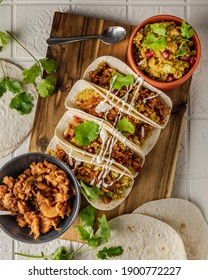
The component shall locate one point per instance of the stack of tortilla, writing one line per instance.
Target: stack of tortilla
(164, 229)
(14, 127)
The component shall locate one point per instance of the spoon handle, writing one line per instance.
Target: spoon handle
(3, 213)
(58, 41)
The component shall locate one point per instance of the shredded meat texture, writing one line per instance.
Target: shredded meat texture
(39, 197)
(154, 108)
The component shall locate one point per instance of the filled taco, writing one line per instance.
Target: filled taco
(86, 97)
(122, 85)
(94, 138)
(103, 185)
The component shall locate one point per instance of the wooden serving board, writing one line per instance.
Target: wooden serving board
(157, 175)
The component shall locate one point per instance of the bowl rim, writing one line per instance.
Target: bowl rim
(78, 197)
(163, 85)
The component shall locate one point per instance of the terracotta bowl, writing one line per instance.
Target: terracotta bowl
(163, 85)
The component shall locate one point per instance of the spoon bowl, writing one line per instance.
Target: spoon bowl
(109, 36)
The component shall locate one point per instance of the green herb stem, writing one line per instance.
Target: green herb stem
(31, 256)
(2, 66)
(10, 34)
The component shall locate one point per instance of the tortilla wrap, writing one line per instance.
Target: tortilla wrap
(145, 142)
(144, 238)
(110, 140)
(15, 127)
(79, 159)
(123, 69)
(186, 219)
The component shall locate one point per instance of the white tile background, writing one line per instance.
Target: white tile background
(31, 21)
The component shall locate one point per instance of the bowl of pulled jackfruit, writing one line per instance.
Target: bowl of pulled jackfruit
(40, 196)
(164, 50)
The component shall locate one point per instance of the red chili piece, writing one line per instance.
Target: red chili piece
(149, 54)
(192, 60)
(165, 54)
(170, 78)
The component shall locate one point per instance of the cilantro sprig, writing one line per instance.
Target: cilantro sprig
(4, 40)
(34, 74)
(86, 132)
(121, 80)
(155, 43)
(91, 192)
(22, 101)
(87, 234)
(158, 29)
(95, 239)
(187, 32)
(124, 125)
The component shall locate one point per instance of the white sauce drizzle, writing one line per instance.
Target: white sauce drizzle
(142, 131)
(150, 97)
(103, 107)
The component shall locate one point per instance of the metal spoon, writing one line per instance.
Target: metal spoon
(109, 36)
(5, 212)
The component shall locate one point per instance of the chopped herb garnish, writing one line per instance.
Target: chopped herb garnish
(91, 192)
(155, 43)
(124, 125)
(86, 133)
(158, 29)
(186, 31)
(121, 80)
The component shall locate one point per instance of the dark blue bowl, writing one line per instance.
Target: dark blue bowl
(9, 225)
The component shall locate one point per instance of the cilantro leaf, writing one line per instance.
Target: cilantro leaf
(31, 73)
(181, 51)
(13, 86)
(86, 132)
(84, 233)
(61, 254)
(87, 216)
(104, 228)
(121, 80)
(124, 125)
(109, 252)
(158, 29)
(4, 39)
(91, 192)
(47, 86)
(186, 30)
(22, 102)
(154, 43)
(7, 84)
(94, 241)
(110, 194)
(3, 87)
(49, 65)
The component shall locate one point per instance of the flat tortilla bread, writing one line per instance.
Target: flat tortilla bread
(14, 127)
(186, 219)
(144, 238)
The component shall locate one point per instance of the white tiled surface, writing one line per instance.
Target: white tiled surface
(31, 21)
